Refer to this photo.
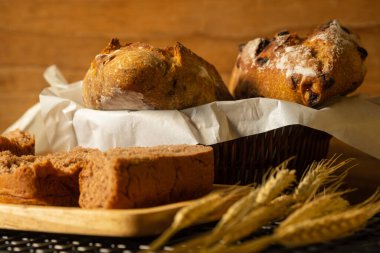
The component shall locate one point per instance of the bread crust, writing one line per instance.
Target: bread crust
(139, 76)
(308, 71)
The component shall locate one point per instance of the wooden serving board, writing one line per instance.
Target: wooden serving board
(98, 222)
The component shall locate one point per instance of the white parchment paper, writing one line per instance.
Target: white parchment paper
(60, 121)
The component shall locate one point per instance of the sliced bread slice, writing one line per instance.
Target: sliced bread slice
(146, 176)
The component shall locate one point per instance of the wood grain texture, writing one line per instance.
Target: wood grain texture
(37, 33)
(98, 222)
(71, 220)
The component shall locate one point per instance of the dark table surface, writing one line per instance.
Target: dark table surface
(367, 240)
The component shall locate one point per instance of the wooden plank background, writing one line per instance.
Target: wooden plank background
(37, 33)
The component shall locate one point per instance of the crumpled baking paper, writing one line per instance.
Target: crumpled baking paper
(60, 121)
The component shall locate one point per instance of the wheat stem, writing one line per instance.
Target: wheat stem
(252, 246)
(258, 218)
(200, 209)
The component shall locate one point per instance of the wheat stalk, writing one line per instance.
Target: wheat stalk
(253, 220)
(259, 206)
(319, 174)
(318, 207)
(325, 228)
(202, 208)
(281, 206)
(276, 182)
(273, 184)
(258, 218)
(250, 213)
(252, 246)
(236, 211)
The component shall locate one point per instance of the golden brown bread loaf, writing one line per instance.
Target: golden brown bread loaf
(308, 71)
(17, 142)
(119, 178)
(42, 180)
(144, 177)
(139, 76)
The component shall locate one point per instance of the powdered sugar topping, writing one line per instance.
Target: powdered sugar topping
(294, 59)
(250, 51)
(297, 60)
(335, 35)
(296, 56)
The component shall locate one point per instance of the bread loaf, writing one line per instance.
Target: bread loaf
(329, 62)
(144, 177)
(17, 142)
(119, 178)
(42, 180)
(139, 76)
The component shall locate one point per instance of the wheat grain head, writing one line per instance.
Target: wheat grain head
(319, 174)
(318, 207)
(275, 182)
(332, 226)
(323, 229)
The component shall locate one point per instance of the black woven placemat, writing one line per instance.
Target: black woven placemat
(367, 240)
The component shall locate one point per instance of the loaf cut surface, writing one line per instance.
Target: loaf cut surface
(17, 142)
(143, 177)
(42, 180)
